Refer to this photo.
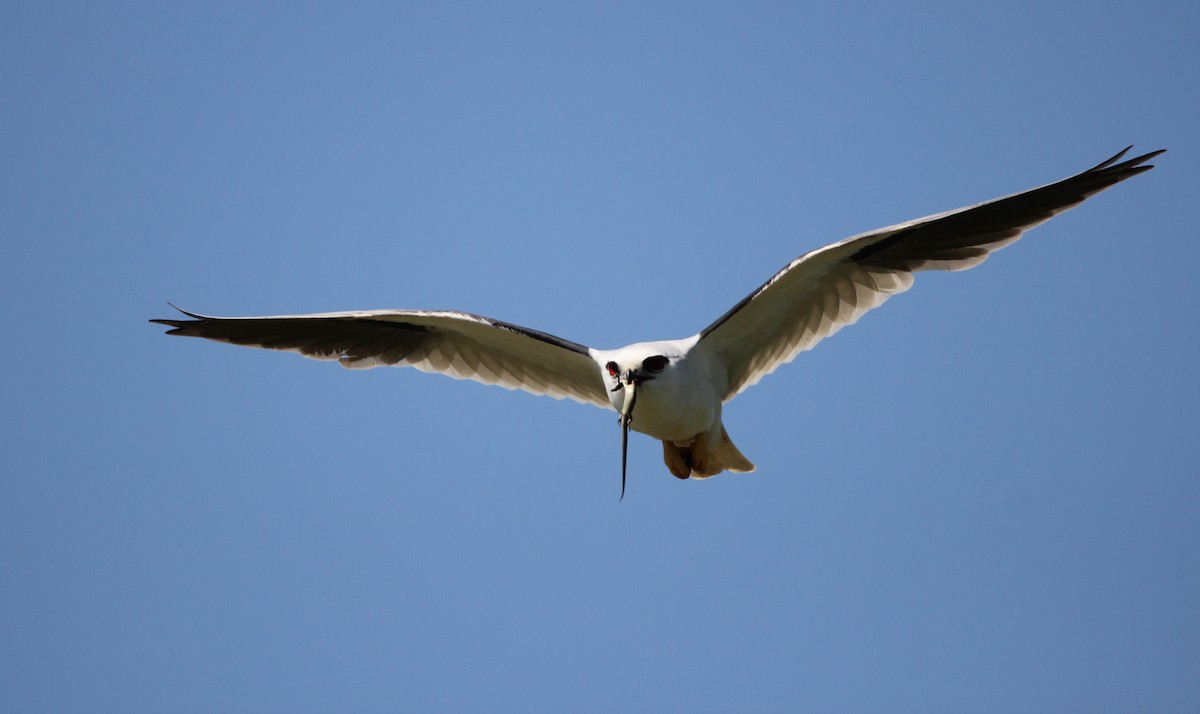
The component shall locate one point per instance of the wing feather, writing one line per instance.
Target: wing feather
(457, 344)
(827, 289)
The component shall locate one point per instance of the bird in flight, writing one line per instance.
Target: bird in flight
(673, 390)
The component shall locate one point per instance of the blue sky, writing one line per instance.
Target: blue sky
(982, 497)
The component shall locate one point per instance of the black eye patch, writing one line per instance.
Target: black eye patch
(655, 363)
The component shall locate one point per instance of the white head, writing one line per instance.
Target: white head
(627, 368)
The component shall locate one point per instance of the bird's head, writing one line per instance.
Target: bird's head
(628, 373)
(627, 370)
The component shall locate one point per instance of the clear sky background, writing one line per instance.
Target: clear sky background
(983, 497)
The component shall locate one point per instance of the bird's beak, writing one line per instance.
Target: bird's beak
(629, 381)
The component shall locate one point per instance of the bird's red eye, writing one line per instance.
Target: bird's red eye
(612, 369)
(654, 364)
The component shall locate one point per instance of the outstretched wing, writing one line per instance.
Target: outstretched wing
(822, 291)
(457, 344)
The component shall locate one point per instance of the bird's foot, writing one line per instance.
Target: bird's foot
(677, 459)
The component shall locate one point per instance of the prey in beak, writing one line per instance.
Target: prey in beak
(629, 381)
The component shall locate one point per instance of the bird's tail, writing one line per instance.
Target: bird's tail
(725, 457)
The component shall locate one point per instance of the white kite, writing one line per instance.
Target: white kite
(678, 386)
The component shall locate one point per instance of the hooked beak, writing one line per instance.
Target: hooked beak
(629, 382)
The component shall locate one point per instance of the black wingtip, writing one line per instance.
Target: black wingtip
(1140, 162)
(176, 324)
(193, 315)
(1108, 162)
(1134, 164)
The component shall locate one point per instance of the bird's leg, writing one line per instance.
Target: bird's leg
(677, 459)
(698, 455)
